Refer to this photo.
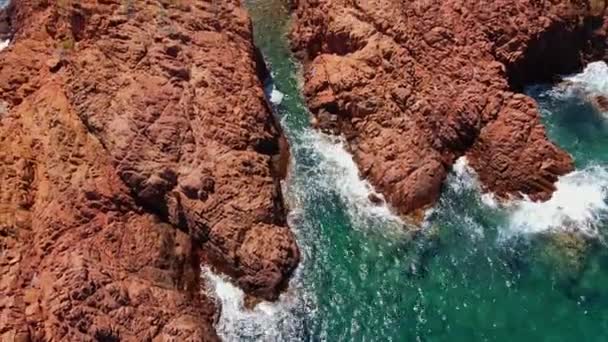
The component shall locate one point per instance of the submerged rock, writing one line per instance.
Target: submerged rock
(135, 142)
(575, 262)
(414, 85)
(566, 252)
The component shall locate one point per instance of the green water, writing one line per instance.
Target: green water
(471, 276)
(575, 125)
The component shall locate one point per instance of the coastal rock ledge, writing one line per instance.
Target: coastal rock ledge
(413, 85)
(135, 144)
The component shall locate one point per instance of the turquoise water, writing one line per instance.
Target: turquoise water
(477, 272)
(575, 125)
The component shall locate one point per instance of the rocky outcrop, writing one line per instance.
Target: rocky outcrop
(135, 143)
(415, 84)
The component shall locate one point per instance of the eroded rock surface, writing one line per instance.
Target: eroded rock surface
(135, 143)
(415, 84)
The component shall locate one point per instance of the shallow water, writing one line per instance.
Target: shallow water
(479, 272)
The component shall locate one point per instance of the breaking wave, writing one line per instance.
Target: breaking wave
(586, 86)
(580, 203)
(322, 167)
(326, 168)
(336, 172)
(267, 321)
(593, 79)
(463, 177)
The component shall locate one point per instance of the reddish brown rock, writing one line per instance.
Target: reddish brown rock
(135, 142)
(415, 84)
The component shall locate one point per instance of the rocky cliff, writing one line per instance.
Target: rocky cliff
(414, 85)
(135, 143)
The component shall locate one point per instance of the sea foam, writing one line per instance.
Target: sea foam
(4, 44)
(579, 203)
(267, 321)
(593, 79)
(337, 171)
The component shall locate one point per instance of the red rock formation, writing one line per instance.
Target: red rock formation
(416, 84)
(134, 141)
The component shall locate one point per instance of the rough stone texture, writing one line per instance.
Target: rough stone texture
(135, 142)
(415, 84)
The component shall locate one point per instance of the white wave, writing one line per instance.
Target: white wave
(276, 97)
(578, 205)
(593, 79)
(337, 171)
(267, 321)
(587, 85)
(463, 177)
(490, 200)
